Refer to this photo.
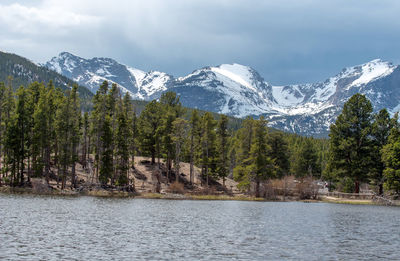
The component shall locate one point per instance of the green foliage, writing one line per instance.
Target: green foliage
(208, 143)
(106, 165)
(122, 139)
(222, 148)
(254, 162)
(179, 135)
(306, 161)
(261, 166)
(381, 127)
(149, 121)
(391, 159)
(279, 153)
(350, 140)
(44, 128)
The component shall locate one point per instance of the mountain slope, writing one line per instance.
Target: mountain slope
(24, 72)
(313, 107)
(240, 91)
(92, 72)
(235, 90)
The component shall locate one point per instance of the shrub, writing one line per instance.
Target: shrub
(307, 189)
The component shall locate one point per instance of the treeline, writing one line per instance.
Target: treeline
(44, 133)
(364, 148)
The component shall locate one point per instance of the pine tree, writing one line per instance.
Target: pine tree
(261, 166)
(172, 109)
(75, 126)
(34, 91)
(63, 138)
(306, 160)
(132, 126)
(242, 146)
(2, 127)
(21, 127)
(7, 108)
(86, 138)
(122, 138)
(171, 102)
(51, 102)
(222, 145)
(106, 160)
(97, 118)
(390, 158)
(350, 142)
(40, 134)
(179, 136)
(12, 145)
(380, 133)
(194, 134)
(208, 146)
(113, 97)
(165, 131)
(279, 153)
(150, 120)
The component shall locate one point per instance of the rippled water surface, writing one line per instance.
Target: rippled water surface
(86, 228)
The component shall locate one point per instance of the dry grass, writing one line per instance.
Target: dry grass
(177, 188)
(109, 194)
(279, 187)
(224, 197)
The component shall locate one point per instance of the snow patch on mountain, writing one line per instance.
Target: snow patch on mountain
(373, 70)
(287, 97)
(154, 82)
(237, 73)
(137, 74)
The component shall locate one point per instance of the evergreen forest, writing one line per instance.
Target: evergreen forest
(45, 133)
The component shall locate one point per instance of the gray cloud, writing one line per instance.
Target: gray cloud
(287, 41)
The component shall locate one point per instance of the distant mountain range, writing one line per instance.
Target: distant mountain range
(24, 71)
(233, 89)
(240, 91)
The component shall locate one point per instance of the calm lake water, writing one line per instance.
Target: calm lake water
(87, 228)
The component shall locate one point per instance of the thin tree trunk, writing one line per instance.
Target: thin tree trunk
(22, 155)
(177, 161)
(191, 159)
(257, 188)
(47, 165)
(381, 189)
(73, 174)
(357, 186)
(29, 169)
(207, 162)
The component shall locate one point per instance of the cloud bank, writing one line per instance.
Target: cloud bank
(287, 41)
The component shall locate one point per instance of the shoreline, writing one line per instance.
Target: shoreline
(171, 196)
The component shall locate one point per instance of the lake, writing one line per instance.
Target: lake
(89, 228)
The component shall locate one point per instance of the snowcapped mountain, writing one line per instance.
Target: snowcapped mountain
(311, 108)
(240, 91)
(92, 72)
(231, 89)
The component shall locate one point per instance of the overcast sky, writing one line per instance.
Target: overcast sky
(286, 41)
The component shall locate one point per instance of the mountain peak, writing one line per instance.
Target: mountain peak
(241, 74)
(373, 70)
